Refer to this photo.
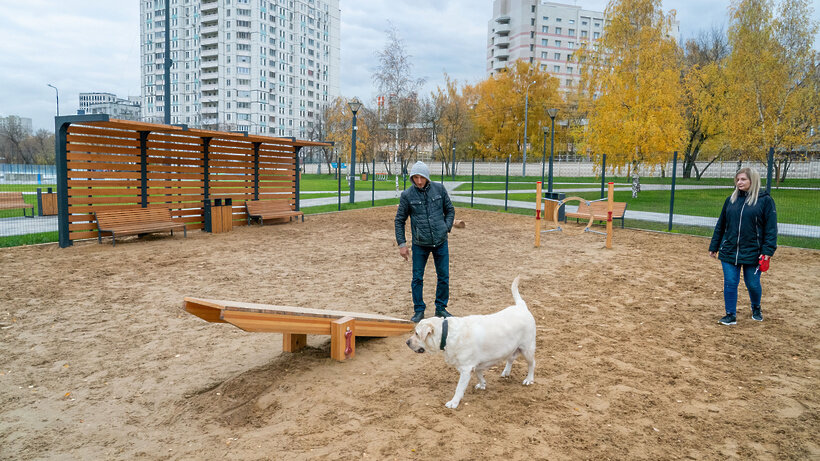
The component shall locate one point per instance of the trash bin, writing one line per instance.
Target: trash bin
(549, 207)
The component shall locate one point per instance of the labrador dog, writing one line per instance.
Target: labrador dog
(477, 342)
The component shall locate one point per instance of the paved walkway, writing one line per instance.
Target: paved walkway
(20, 226)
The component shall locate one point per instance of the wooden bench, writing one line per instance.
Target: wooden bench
(599, 211)
(14, 200)
(270, 209)
(135, 221)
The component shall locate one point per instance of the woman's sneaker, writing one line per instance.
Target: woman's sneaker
(756, 315)
(728, 319)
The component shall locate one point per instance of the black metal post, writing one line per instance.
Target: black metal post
(672, 195)
(166, 98)
(373, 181)
(144, 168)
(472, 184)
(353, 163)
(603, 175)
(442, 168)
(544, 157)
(507, 184)
(769, 170)
(298, 176)
(552, 151)
(256, 170)
(206, 187)
(339, 177)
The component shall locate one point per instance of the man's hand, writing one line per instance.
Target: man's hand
(405, 253)
(713, 254)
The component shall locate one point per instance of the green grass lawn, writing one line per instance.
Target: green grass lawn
(793, 206)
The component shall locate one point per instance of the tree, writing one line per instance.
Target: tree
(339, 126)
(395, 80)
(772, 74)
(704, 82)
(449, 114)
(38, 148)
(632, 88)
(499, 103)
(12, 135)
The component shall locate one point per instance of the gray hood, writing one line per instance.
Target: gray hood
(419, 168)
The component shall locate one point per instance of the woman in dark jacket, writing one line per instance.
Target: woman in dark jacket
(745, 238)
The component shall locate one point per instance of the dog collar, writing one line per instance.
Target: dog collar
(443, 335)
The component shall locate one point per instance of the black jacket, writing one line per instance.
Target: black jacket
(431, 214)
(744, 232)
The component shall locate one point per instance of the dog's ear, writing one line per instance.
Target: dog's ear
(425, 331)
(428, 333)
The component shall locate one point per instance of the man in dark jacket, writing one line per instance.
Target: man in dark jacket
(431, 217)
(745, 238)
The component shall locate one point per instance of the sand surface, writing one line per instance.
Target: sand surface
(99, 361)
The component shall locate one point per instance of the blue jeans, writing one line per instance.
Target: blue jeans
(731, 279)
(441, 258)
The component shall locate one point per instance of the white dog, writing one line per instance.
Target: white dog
(477, 342)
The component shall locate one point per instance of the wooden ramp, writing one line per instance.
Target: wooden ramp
(295, 323)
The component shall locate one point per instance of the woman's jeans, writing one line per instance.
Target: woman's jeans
(731, 279)
(441, 258)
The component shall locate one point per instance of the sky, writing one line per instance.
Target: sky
(93, 45)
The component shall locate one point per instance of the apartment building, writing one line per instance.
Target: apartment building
(109, 103)
(542, 33)
(259, 66)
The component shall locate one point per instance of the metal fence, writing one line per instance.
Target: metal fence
(665, 202)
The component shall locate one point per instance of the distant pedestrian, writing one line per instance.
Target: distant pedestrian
(745, 238)
(431, 218)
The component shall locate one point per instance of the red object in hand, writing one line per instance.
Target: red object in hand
(764, 263)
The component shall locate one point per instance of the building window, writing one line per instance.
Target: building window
(545, 29)
(569, 69)
(557, 56)
(544, 42)
(572, 21)
(558, 31)
(558, 43)
(596, 35)
(584, 34)
(557, 19)
(556, 68)
(543, 55)
(571, 32)
(532, 21)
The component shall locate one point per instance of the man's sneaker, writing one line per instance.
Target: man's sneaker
(417, 317)
(443, 313)
(756, 315)
(729, 319)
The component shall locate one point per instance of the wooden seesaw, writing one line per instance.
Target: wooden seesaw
(295, 323)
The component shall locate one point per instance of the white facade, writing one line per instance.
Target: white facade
(260, 66)
(542, 33)
(108, 103)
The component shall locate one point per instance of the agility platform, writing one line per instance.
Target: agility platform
(295, 323)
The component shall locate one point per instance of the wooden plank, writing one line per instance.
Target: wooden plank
(292, 342)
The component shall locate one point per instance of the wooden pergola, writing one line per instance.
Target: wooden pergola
(107, 163)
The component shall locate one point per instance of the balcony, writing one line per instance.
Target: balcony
(210, 85)
(503, 19)
(209, 29)
(209, 40)
(208, 99)
(499, 64)
(502, 41)
(502, 29)
(502, 53)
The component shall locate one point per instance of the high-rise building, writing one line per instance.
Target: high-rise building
(544, 34)
(260, 66)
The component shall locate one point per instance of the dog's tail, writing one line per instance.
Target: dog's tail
(516, 296)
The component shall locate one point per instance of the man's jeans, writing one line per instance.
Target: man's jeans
(441, 258)
(731, 279)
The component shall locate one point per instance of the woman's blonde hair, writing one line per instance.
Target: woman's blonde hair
(754, 188)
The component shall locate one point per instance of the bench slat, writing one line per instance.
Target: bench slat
(130, 221)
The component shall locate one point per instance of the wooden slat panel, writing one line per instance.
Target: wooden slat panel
(102, 175)
(113, 134)
(82, 139)
(82, 156)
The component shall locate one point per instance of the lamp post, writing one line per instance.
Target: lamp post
(544, 154)
(552, 113)
(526, 109)
(57, 92)
(354, 105)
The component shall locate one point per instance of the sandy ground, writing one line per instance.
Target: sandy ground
(99, 361)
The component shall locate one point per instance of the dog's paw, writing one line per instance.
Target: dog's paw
(452, 404)
(481, 386)
(505, 374)
(528, 381)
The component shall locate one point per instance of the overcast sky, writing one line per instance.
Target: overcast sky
(93, 45)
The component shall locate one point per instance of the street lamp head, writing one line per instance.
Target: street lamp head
(354, 105)
(546, 128)
(552, 113)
